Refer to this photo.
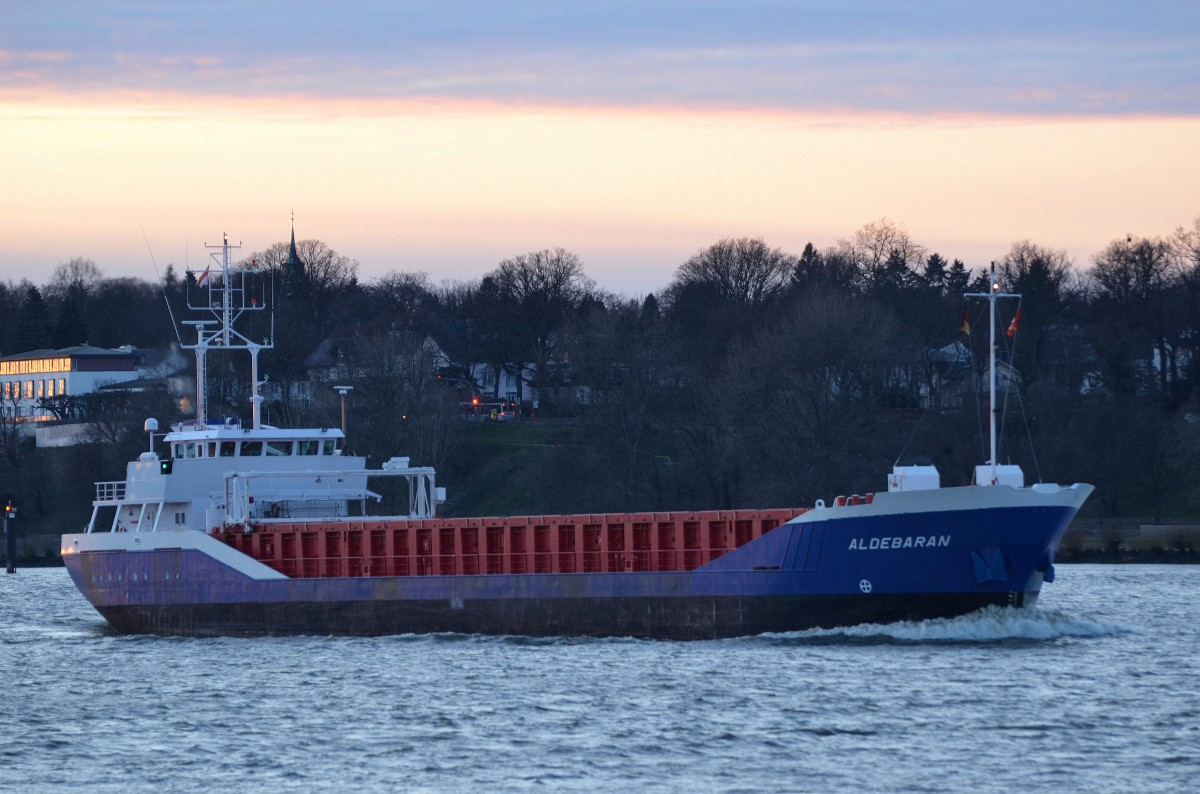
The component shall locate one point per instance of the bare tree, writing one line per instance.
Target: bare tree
(80, 274)
(326, 280)
(1185, 245)
(541, 289)
(742, 272)
(399, 295)
(621, 357)
(1133, 278)
(804, 398)
(723, 294)
(883, 252)
(1049, 289)
(398, 405)
(461, 327)
(1185, 249)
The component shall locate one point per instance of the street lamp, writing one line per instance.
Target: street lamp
(470, 387)
(10, 536)
(343, 390)
(470, 384)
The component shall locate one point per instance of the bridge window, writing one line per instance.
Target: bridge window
(181, 450)
(251, 449)
(307, 447)
(327, 447)
(279, 448)
(228, 449)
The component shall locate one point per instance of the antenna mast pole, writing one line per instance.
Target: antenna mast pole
(992, 294)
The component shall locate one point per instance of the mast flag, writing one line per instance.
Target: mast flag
(1016, 320)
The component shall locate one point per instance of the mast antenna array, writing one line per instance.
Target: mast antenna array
(228, 296)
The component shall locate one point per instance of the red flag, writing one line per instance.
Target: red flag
(1012, 327)
(966, 326)
(202, 278)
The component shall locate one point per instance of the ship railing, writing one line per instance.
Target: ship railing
(250, 496)
(265, 505)
(112, 492)
(269, 509)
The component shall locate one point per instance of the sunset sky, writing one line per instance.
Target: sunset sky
(448, 136)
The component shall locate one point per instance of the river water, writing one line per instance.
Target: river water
(1097, 690)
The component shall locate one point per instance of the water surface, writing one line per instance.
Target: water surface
(1096, 690)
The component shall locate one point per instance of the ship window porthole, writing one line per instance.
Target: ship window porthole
(120, 577)
(177, 576)
(167, 577)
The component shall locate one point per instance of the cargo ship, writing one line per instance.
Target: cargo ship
(256, 530)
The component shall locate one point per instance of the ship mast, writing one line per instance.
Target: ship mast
(992, 295)
(226, 297)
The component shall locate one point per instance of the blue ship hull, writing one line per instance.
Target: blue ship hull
(827, 568)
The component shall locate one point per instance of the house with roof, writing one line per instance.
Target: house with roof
(28, 379)
(953, 379)
(344, 359)
(50, 393)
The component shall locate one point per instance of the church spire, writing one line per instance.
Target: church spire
(293, 267)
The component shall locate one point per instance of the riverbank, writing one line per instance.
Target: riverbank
(1124, 541)
(1127, 557)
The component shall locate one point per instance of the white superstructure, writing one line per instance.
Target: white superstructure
(215, 475)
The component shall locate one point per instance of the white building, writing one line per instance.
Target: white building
(27, 378)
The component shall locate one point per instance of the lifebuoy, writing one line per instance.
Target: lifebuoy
(275, 510)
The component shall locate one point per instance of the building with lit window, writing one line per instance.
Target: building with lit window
(31, 382)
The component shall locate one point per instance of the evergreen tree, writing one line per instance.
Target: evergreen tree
(33, 322)
(70, 330)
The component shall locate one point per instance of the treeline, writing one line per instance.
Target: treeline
(756, 377)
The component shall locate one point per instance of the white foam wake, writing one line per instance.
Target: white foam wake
(990, 624)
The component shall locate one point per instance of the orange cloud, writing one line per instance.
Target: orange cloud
(452, 187)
